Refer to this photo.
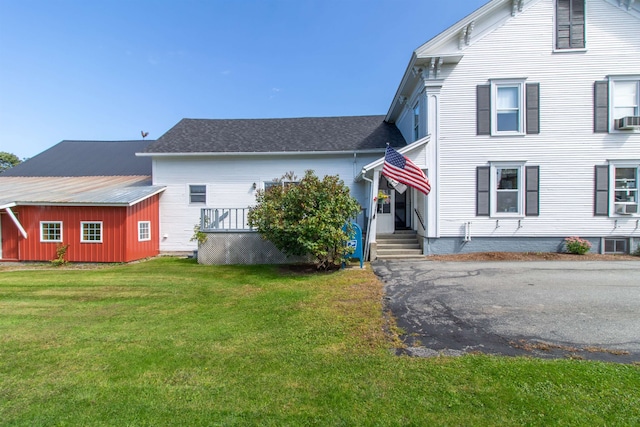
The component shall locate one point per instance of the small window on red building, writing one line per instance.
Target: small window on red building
(144, 231)
(91, 232)
(50, 231)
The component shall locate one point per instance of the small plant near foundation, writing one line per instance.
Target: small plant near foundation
(198, 235)
(576, 245)
(637, 251)
(61, 252)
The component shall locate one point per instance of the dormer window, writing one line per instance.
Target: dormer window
(570, 24)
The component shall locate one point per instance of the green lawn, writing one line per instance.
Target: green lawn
(171, 342)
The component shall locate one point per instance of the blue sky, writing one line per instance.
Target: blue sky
(108, 69)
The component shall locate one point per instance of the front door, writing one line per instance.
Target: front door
(386, 210)
(8, 238)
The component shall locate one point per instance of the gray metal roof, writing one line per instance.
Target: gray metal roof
(278, 135)
(86, 158)
(95, 190)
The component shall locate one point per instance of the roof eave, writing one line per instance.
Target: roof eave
(263, 153)
(379, 162)
(425, 52)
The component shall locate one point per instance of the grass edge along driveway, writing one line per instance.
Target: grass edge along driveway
(171, 342)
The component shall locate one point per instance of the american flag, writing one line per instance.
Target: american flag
(399, 168)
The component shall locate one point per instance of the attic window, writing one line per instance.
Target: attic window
(570, 24)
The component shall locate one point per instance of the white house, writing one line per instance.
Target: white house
(525, 115)
(530, 115)
(218, 165)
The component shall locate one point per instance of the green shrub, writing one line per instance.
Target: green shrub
(307, 217)
(61, 252)
(576, 245)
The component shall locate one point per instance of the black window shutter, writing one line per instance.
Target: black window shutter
(482, 191)
(601, 106)
(532, 191)
(533, 107)
(483, 109)
(601, 202)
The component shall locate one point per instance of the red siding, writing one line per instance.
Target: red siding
(147, 210)
(119, 232)
(9, 238)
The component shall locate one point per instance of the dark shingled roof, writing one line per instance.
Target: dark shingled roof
(278, 135)
(87, 158)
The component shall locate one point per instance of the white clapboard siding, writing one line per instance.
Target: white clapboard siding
(229, 182)
(566, 150)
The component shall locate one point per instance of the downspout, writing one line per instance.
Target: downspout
(373, 201)
(366, 244)
(16, 222)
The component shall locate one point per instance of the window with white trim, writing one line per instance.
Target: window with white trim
(50, 231)
(197, 194)
(91, 231)
(625, 189)
(617, 104)
(625, 102)
(507, 188)
(144, 231)
(508, 107)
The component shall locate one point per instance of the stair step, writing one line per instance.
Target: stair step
(401, 256)
(397, 241)
(403, 244)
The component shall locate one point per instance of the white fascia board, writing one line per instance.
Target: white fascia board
(453, 30)
(7, 205)
(406, 149)
(265, 154)
(420, 52)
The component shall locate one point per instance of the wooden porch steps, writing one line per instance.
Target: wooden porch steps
(400, 245)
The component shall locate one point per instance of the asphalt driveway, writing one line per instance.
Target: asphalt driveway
(550, 309)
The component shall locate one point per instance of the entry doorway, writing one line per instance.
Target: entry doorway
(393, 208)
(8, 238)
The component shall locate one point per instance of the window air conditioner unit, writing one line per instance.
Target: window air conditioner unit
(626, 209)
(628, 123)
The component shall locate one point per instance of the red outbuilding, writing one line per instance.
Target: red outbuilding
(98, 203)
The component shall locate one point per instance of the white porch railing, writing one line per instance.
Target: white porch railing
(224, 219)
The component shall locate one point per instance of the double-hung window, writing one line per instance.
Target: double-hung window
(507, 115)
(508, 107)
(50, 231)
(507, 185)
(91, 232)
(507, 189)
(570, 24)
(626, 190)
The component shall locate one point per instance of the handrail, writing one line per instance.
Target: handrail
(419, 218)
(224, 219)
